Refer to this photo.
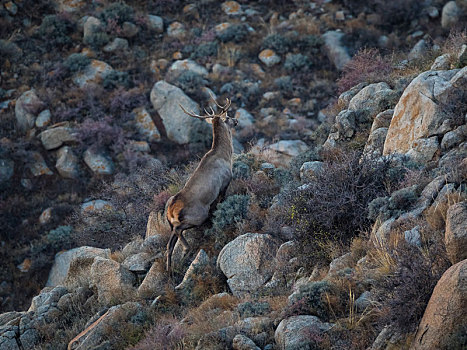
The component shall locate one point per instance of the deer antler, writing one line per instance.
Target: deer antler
(193, 114)
(223, 108)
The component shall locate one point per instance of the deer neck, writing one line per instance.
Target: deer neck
(221, 138)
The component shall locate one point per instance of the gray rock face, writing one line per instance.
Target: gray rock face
(456, 232)
(244, 118)
(269, 57)
(67, 163)
(8, 336)
(375, 144)
(70, 5)
(299, 332)
(91, 26)
(117, 45)
(450, 14)
(241, 342)
(48, 297)
(55, 137)
(374, 98)
(336, 52)
(248, 262)
(61, 265)
(441, 62)
(419, 115)
(98, 162)
(139, 262)
(43, 119)
(113, 281)
(419, 50)
(26, 108)
(166, 99)
(196, 268)
(180, 66)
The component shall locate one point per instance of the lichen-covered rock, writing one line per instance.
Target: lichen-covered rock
(145, 125)
(43, 119)
(445, 312)
(67, 163)
(244, 118)
(441, 62)
(91, 26)
(70, 5)
(420, 112)
(48, 297)
(94, 73)
(248, 262)
(38, 166)
(241, 342)
(117, 45)
(113, 281)
(166, 99)
(95, 206)
(26, 108)
(61, 265)
(99, 163)
(196, 272)
(382, 120)
(176, 30)
(55, 137)
(375, 143)
(231, 8)
(419, 50)
(300, 332)
(269, 57)
(180, 66)
(8, 336)
(138, 263)
(456, 232)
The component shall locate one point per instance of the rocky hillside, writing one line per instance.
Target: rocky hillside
(344, 226)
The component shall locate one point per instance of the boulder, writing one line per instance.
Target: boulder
(104, 327)
(375, 143)
(95, 206)
(47, 298)
(269, 57)
(129, 30)
(154, 283)
(231, 8)
(450, 15)
(59, 271)
(382, 120)
(248, 262)
(67, 163)
(442, 62)
(241, 342)
(94, 73)
(282, 152)
(455, 237)
(445, 313)
(55, 137)
(43, 119)
(309, 169)
(98, 162)
(419, 50)
(421, 113)
(117, 45)
(145, 125)
(37, 165)
(244, 118)
(336, 52)
(138, 263)
(300, 332)
(196, 269)
(180, 66)
(345, 98)
(8, 336)
(176, 30)
(373, 98)
(70, 5)
(26, 108)
(91, 26)
(166, 99)
(155, 23)
(113, 281)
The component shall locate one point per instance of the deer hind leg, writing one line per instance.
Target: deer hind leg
(170, 248)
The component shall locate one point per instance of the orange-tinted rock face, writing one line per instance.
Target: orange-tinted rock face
(445, 311)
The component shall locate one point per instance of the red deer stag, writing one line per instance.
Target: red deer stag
(190, 207)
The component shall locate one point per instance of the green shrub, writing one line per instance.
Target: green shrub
(205, 50)
(60, 237)
(379, 207)
(97, 40)
(115, 79)
(119, 12)
(55, 31)
(240, 170)
(190, 82)
(227, 214)
(278, 43)
(235, 33)
(284, 83)
(76, 62)
(311, 299)
(200, 137)
(298, 62)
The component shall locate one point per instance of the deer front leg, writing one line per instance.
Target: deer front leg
(170, 248)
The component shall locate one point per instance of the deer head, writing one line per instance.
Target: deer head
(222, 114)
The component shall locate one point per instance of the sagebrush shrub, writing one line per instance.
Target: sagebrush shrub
(235, 33)
(55, 31)
(297, 62)
(366, 66)
(76, 62)
(119, 12)
(278, 43)
(333, 207)
(115, 79)
(60, 237)
(205, 50)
